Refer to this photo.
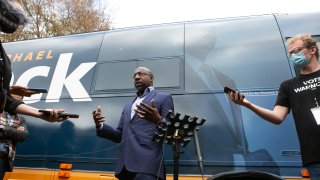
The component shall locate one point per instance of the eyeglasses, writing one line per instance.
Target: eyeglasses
(296, 51)
(140, 74)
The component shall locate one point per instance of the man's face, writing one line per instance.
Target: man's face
(296, 47)
(142, 79)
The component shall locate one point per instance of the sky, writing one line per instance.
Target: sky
(129, 13)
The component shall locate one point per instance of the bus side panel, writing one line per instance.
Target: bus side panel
(245, 54)
(64, 66)
(191, 61)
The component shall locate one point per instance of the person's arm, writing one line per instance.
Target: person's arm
(12, 104)
(104, 130)
(17, 134)
(151, 112)
(276, 116)
(22, 91)
(167, 106)
(17, 106)
(52, 116)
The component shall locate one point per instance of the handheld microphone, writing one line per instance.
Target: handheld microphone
(64, 115)
(61, 114)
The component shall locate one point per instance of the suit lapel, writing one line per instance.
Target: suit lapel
(148, 97)
(146, 100)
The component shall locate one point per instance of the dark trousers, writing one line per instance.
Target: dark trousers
(127, 175)
(4, 166)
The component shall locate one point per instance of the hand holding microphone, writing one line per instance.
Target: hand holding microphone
(60, 115)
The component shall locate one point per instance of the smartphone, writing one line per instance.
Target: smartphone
(60, 115)
(228, 90)
(41, 90)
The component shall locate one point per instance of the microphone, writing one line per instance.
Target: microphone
(60, 114)
(63, 115)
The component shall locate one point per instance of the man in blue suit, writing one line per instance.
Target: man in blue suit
(140, 157)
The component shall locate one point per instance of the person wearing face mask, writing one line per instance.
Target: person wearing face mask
(12, 16)
(301, 95)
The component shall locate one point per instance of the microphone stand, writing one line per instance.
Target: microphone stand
(176, 155)
(178, 134)
(198, 151)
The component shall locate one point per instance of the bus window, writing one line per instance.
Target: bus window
(167, 71)
(112, 76)
(253, 56)
(117, 75)
(146, 43)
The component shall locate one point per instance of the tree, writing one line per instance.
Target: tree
(60, 17)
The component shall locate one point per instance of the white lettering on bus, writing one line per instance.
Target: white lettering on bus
(27, 76)
(59, 80)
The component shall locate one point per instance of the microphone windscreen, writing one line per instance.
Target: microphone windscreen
(12, 15)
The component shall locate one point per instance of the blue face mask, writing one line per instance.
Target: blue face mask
(299, 60)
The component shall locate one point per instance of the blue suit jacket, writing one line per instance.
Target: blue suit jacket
(137, 151)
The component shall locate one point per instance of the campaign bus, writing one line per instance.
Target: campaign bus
(193, 61)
